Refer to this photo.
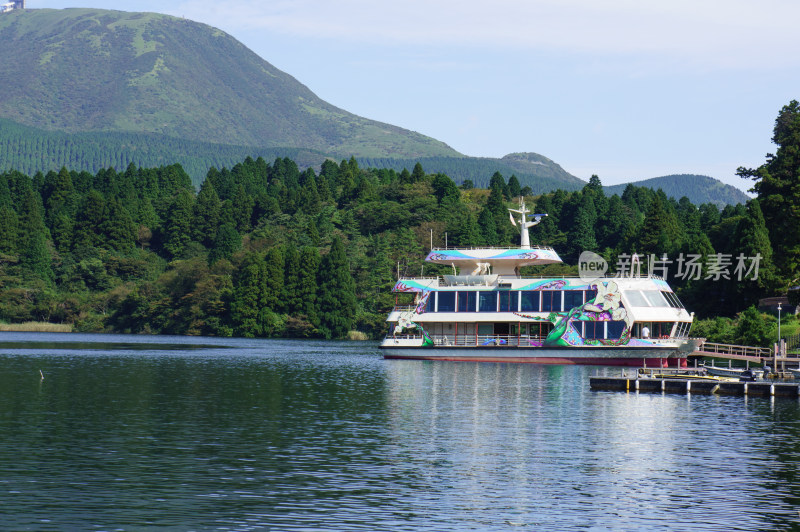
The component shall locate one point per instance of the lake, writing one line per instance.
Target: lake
(153, 433)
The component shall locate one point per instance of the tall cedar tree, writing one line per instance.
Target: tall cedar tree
(178, 225)
(337, 293)
(778, 188)
(307, 286)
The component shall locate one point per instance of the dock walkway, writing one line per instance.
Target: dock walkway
(777, 356)
(693, 386)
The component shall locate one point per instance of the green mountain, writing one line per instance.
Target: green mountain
(698, 188)
(90, 88)
(90, 70)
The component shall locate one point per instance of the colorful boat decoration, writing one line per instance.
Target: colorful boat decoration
(488, 312)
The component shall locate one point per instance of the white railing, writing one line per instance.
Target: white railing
(735, 350)
(504, 248)
(499, 340)
(443, 282)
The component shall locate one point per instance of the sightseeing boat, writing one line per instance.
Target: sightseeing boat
(487, 311)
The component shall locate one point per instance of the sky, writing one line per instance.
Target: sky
(625, 89)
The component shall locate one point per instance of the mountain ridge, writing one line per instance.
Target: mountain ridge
(698, 188)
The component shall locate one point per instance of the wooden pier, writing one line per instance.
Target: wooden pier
(695, 386)
(777, 357)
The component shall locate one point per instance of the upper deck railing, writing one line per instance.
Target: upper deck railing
(443, 281)
(502, 248)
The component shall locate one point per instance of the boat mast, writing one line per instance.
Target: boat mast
(524, 237)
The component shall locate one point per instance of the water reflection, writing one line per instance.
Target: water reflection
(249, 434)
(528, 444)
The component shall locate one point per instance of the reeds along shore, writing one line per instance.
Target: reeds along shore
(36, 326)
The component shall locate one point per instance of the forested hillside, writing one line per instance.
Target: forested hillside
(30, 150)
(267, 250)
(698, 188)
(538, 173)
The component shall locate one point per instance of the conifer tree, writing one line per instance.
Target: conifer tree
(275, 295)
(753, 241)
(207, 215)
(249, 296)
(417, 174)
(777, 184)
(118, 227)
(514, 188)
(178, 224)
(243, 206)
(227, 241)
(91, 216)
(307, 285)
(293, 303)
(487, 227)
(581, 236)
(36, 260)
(9, 230)
(337, 293)
(465, 230)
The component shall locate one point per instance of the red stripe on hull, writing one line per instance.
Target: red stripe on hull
(629, 362)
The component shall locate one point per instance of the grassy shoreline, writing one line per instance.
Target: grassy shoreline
(36, 326)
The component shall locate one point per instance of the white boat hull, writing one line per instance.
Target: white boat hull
(634, 357)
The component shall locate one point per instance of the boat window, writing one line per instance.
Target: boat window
(530, 301)
(466, 301)
(446, 301)
(485, 329)
(614, 329)
(487, 301)
(589, 295)
(508, 301)
(572, 299)
(551, 301)
(538, 330)
(636, 299)
(655, 298)
(593, 330)
(598, 330)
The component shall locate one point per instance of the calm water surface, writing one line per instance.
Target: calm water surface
(138, 433)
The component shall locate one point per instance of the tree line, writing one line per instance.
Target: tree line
(269, 250)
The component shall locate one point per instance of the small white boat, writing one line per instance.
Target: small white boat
(755, 373)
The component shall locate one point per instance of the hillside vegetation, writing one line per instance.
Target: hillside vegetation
(698, 188)
(269, 250)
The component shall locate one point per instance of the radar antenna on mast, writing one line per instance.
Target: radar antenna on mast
(524, 237)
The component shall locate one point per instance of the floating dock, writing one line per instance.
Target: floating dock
(695, 386)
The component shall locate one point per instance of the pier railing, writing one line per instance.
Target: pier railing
(734, 351)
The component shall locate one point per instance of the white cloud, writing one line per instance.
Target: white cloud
(714, 33)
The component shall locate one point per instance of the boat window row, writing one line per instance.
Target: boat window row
(652, 298)
(661, 329)
(508, 300)
(599, 330)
